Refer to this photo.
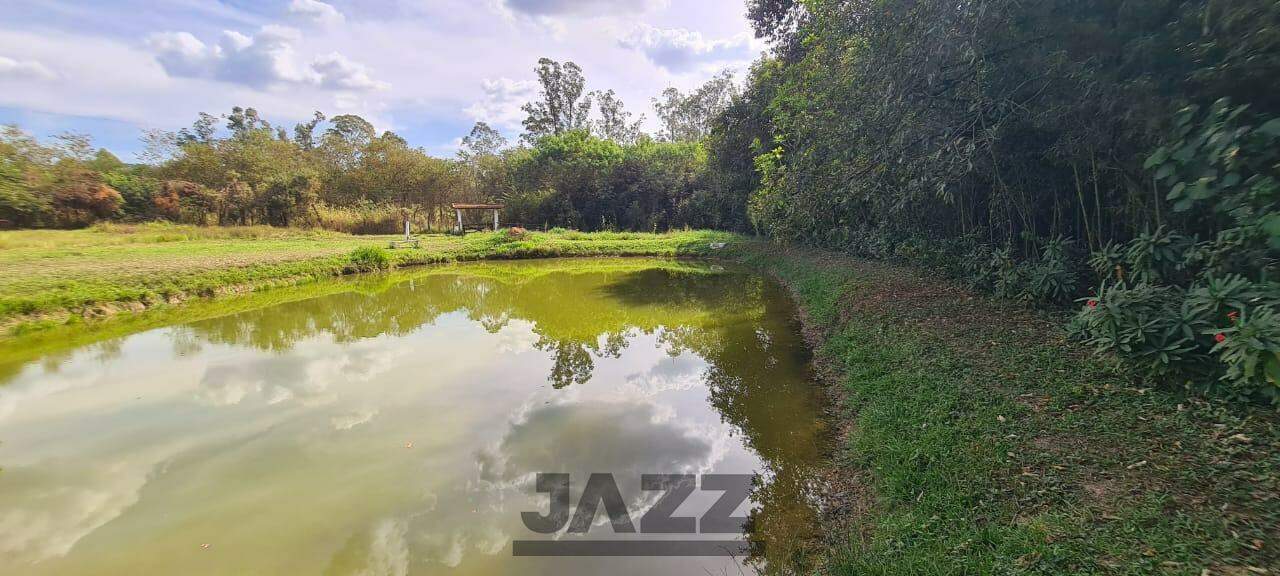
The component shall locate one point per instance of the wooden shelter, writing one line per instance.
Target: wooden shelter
(458, 207)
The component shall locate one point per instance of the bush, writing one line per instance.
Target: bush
(1055, 277)
(136, 191)
(1005, 274)
(1201, 310)
(1159, 256)
(80, 199)
(369, 259)
(167, 201)
(1145, 324)
(1250, 349)
(1222, 332)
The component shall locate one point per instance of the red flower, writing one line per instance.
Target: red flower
(1093, 303)
(1233, 316)
(1220, 338)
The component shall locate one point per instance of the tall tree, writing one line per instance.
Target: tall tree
(159, 146)
(774, 19)
(483, 157)
(241, 121)
(688, 117)
(104, 161)
(615, 122)
(352, 129)
(391, 172)
(74, 146)
(348, 135)
(482, 141)
(562, 104)
(202, 130)
(304, 132)
(23, 170)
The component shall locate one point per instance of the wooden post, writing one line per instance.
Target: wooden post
(458, 212)
(495, 220)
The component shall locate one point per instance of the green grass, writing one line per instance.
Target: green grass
(48, 276)
(979, 441)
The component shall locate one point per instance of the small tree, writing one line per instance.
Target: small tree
(80, 198)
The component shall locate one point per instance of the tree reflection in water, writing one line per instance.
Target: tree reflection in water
(743, 326)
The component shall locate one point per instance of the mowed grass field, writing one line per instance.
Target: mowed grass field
(57, 272)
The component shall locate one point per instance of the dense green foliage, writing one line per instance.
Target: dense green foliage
(1006, 142)
(975, 442)
(578, 181)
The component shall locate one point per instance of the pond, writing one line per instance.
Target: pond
(397, 424)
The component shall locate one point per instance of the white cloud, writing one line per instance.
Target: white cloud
(57, 504)
(339, 73)
(434, 93)
(389, 549)
(308, 379)
(349, 420)
(265, 60)
(317, 11)
(680, 50)
(25, 69)
(679, 373)
(503, 98)
(125, 82)
(580, 7)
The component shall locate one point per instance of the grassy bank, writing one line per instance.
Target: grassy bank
(50, 276)
(978, 441)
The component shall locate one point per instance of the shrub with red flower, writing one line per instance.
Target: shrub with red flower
(1233, 316)
(1220, 338)
(1093, 304)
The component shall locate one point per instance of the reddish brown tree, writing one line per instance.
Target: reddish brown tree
(80, 199)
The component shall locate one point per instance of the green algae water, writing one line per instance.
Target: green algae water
(395, 424)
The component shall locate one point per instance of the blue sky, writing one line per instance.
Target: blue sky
(426, 69)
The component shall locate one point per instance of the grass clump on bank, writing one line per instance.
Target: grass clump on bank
(50, 275)
(978, 440)
(369, 259)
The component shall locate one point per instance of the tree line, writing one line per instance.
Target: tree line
(1114, 155)
(583, 161)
